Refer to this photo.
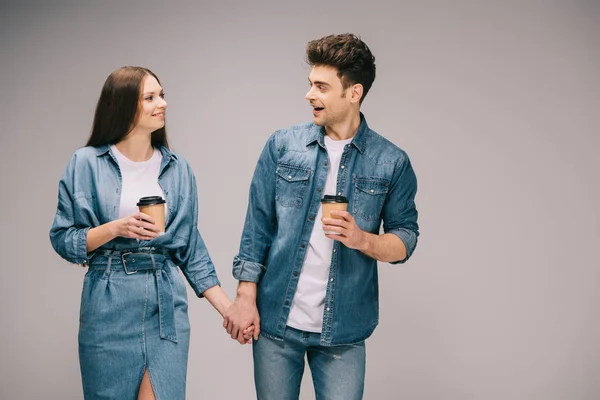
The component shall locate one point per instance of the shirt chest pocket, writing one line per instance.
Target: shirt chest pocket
(292, 185)
(369, 196)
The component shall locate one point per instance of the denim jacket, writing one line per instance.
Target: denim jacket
(285, 193)
(89, 194)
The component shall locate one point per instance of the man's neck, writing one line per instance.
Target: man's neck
(345, 129)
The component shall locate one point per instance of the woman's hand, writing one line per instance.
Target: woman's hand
(136, 226)
(248, 333)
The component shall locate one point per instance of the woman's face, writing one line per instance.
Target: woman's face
(152, 106)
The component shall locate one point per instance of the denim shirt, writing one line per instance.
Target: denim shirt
(285, 193)
(89, 194)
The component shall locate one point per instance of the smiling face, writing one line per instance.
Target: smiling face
(332, 103)
(152, 106)
(131, 102)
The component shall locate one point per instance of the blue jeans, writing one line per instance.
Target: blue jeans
(338, 371)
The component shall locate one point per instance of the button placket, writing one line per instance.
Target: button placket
(341, 177)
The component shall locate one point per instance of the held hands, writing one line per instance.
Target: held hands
(219, 300)
(137, 226)
(242, 321)
(247, 334)
(349, 232)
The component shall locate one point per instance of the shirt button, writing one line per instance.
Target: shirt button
(295, 273)
(319, 190)
(328, 308)
(289, 177)
(339, 193)
(372, 191)
(325, 164)
(303, 245)
(342, 167)
(311, 218)
(331, 280)
(287, 303)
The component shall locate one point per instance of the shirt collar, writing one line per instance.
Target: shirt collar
(317, 134)
(166, 153)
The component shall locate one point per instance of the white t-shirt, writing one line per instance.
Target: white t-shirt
(139, 179)
(306, 312)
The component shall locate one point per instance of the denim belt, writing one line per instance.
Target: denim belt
(144, 259)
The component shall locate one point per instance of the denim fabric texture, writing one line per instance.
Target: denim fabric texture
(377, 178)
(134, 302)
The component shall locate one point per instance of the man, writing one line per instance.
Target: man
(316, 292)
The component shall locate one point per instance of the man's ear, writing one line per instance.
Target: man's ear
(356, 93)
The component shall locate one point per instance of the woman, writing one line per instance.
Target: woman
(134, 328)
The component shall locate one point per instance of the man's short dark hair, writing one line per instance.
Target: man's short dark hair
(348, 54)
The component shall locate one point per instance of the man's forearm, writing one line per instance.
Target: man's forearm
(386, 248)
(246, 291)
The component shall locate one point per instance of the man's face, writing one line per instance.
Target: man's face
(330, 101)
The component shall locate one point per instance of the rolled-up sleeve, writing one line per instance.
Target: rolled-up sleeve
(400, 212)
(194, 259)
(261, 221)
(247, 270)
(68, 239)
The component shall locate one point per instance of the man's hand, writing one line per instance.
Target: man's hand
(387, 247)
(242, 314)
(349, 232)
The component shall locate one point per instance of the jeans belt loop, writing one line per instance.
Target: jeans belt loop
(108, 264)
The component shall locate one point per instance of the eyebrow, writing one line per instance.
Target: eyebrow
(145, 93)
(318, 83)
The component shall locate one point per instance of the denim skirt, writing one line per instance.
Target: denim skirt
(133, 318)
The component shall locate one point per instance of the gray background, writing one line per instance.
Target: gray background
(493, 101)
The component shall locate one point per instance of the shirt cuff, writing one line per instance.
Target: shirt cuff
(409, 238)
(82, 257)
(205, 284)
(247, 271)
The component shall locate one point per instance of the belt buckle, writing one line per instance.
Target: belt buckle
(125, 264)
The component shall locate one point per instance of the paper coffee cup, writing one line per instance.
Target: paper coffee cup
(328, 203)
(154, 206)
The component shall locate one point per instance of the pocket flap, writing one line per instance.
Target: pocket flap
(293, 174)
(372, 186)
